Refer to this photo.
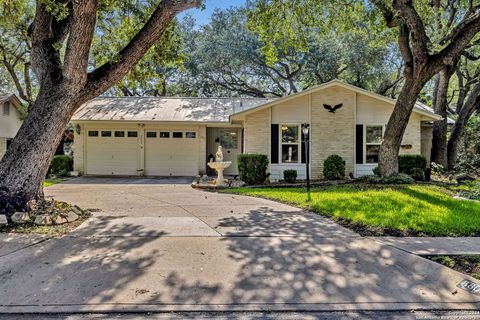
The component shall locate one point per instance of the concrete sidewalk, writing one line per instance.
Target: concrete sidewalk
(434, 246)
(166, 247)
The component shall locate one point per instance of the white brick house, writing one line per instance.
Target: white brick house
(10, 120)
(174, 136)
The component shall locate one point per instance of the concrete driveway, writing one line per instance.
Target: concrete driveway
(160, 245)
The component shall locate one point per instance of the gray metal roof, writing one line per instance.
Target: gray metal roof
(164, 109)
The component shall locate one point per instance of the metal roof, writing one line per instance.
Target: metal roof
(164, 109)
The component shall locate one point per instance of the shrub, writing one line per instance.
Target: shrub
(61, 165)
(252, 168)
(376, 171)
(412, 165)
(290, 175)
(334, 167)
(437, 169)
(399, 178)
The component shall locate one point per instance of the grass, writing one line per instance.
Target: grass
(51, 182)
(412, 209)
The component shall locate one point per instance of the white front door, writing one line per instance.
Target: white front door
(229, 139)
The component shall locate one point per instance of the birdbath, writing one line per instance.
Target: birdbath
(219, 165)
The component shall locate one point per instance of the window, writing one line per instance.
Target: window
(290, 143)
(164, 134)
(119, 134)
(6, 108)
(93, 133)
(177, 135)
(106, 133)
(151, 134)
(132, 134)
(373, 140)
(191, 135)
(229, 139)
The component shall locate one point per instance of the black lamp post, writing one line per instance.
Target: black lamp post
(306, 139)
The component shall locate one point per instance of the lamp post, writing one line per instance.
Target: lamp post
(306, 139)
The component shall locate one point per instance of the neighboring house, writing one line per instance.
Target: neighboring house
(159, 136)
(10, 120)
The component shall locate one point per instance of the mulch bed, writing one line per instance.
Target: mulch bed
(468, 264)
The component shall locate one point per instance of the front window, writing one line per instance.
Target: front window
(229, 139)
(6, 109)
(290, 143)
(373, 140)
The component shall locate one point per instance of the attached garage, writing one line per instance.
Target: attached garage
(171, 153)
(153, 136)
(112, 152)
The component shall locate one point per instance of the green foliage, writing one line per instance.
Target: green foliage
(334, 167)
(468, 159)
(290, 175)
(399, 178)
(252, 168)
(413, 165)
(116, 26)
(424, 209)
(376, 171)
(61, 165)
(437, 169)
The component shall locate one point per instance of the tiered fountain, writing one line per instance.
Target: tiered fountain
(219, 165)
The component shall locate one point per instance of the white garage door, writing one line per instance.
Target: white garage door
(112, 152)
(171, 153)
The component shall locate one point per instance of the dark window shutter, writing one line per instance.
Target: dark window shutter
(359, 144)
(304, 149)
(274, 143)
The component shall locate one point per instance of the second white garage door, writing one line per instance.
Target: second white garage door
(171, 153)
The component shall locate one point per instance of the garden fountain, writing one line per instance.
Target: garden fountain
(219, 165)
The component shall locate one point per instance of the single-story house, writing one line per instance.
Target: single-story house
(10, 120)
(158, 136)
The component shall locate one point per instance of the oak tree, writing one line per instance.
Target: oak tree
(61, 37)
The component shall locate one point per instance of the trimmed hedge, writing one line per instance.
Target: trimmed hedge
(61, 165)
(252, 168)
(290, 175)
(413, 165)
(334, 167)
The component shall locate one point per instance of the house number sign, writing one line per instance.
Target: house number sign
(469, 286)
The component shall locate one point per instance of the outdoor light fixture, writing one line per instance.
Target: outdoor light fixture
(78, 129)
(306, 139)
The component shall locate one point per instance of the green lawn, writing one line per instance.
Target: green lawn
(51, 182)
(425, 209)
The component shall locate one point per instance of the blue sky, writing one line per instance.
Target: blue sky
(203, 16)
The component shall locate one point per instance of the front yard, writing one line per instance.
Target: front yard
(385, 210)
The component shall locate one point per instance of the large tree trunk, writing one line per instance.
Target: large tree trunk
(440, 101)
(25, 164)
(464, 115)
(388, 156)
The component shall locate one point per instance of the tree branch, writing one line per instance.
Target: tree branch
(113, 71)
(82, 27)
(418, 37)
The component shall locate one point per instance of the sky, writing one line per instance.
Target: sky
(203, 16)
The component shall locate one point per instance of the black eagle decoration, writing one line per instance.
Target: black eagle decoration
(334, 108)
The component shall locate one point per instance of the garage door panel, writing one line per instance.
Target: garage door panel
(171, 156)
(112, 155)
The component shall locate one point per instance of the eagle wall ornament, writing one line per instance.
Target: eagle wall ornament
(334, 108)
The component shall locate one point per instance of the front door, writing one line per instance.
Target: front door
(229, 139)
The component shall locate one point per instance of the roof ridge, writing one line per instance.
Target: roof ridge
(170, 97)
